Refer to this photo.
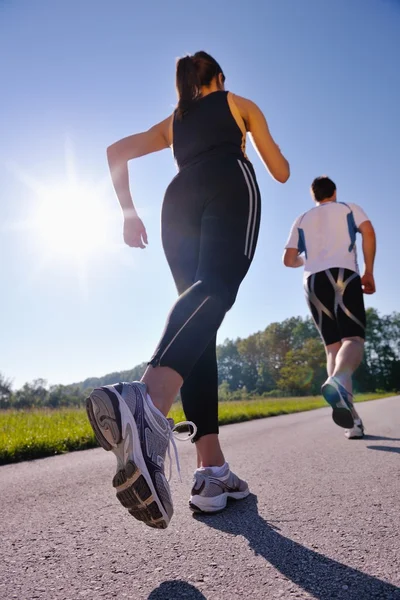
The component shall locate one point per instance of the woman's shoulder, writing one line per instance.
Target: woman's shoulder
(244, 106)
(241, 100)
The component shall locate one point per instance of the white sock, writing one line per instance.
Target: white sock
(220, 471)
(217, 471)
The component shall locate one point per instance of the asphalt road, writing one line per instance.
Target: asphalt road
(323, 521)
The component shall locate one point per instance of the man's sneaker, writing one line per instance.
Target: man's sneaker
(340, 400)
(356, 432)
(127, 423)
(210, 493)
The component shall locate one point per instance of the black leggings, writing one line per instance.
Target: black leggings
(210, 222)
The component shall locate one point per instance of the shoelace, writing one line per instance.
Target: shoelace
(174, 434)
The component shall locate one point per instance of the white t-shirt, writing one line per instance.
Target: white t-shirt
(325, 235)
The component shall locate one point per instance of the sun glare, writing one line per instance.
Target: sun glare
(70, 221)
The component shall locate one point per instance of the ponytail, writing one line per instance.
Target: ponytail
(193, 72)
(187, 84)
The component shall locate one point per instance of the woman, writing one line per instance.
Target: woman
(210, 223)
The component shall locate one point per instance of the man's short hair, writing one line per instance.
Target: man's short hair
(322, 188)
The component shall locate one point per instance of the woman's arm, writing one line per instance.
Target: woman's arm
(155, 139)
(262, 140)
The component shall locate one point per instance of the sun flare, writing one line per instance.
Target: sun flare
(70, 221)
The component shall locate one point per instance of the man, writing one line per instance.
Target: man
(325, 236)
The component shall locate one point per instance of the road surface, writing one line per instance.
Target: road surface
(323, 521)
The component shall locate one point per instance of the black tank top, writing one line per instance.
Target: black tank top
(207, 130)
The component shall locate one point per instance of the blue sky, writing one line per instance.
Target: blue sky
(80, 75)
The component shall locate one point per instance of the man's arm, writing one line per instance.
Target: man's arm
(292, 258)
(369, 250)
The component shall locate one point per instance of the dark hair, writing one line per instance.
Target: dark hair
(191, 73)
(322, 188)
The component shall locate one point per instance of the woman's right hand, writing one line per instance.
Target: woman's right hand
(135, 234)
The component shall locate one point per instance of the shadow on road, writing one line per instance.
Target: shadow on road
(324, 578)
(380, 438)
(385, 448)
(176, 590)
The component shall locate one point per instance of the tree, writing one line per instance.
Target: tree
(134, 374)
(233, 368)
(381, 366)
(5, 392)
(65, 395)
(31, 395)
(224, 391)
(266, 351)
(304, 370)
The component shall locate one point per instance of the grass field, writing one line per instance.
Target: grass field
(32, 434)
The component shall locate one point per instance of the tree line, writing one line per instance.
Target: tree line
(286, 359)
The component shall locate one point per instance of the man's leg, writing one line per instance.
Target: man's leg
(347, 360)
(351, 319)
(331, 354)
(332, 351)
(333, 365)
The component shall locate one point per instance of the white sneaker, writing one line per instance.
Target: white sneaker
(356, 432)
(126, 422)
(210, 492)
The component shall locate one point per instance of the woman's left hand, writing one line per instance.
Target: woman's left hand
(135, 234)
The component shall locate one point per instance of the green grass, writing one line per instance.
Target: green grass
(37, 433)
(32, 434)
(237, 411)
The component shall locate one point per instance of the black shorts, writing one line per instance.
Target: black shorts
(336, 301)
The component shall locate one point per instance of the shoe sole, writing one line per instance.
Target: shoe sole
(341, 415)
(198, 504)
(134, 487)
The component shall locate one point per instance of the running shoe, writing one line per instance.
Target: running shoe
(210, 493)
(356, 432)
(340, 400)
(126, 422)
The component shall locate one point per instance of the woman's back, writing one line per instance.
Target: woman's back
(212, 127)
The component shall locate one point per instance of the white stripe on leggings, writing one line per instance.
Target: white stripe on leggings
(253, 230)
(252, 221)
(184, 325)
